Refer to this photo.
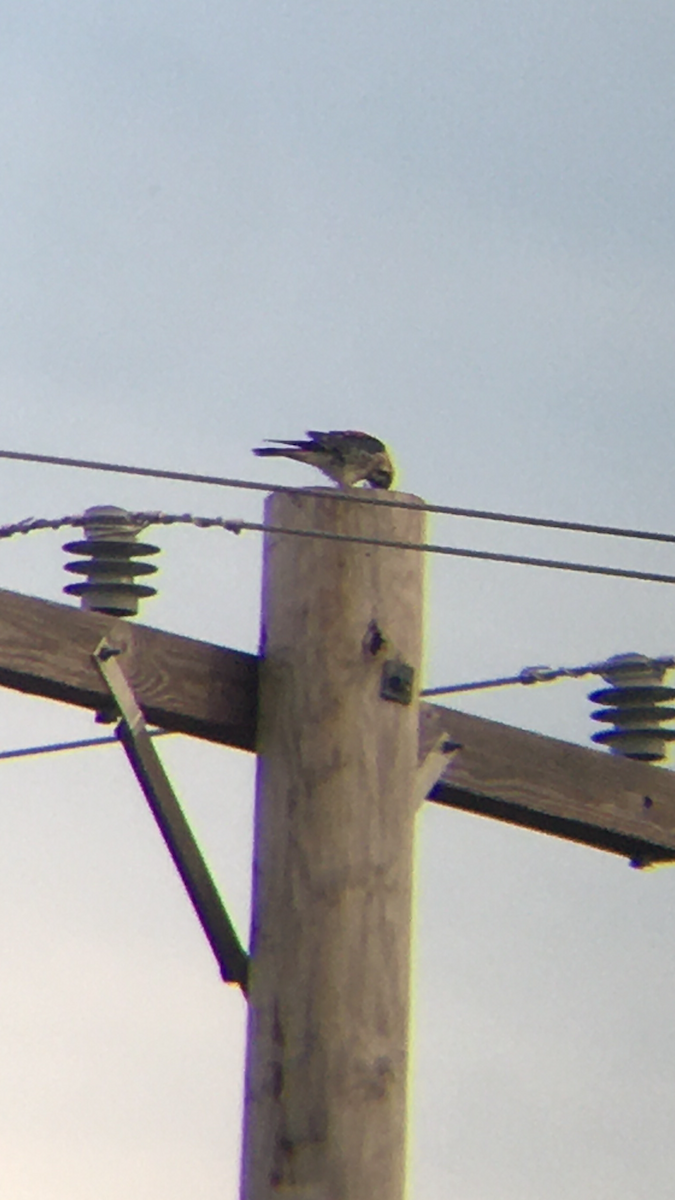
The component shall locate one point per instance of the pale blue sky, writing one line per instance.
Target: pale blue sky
(451, 226)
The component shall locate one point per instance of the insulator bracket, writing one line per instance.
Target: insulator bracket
(110, 550)
(636, 707)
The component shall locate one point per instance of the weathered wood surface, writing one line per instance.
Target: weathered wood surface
(552, 786)
(181, 684)
(329, 974)
(210, 691)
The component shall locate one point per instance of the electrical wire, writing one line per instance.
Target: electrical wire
(32, 524)
(143, 520)
(527, 676)
(530, 675)
(138, 521)
(54, 747)
(457, 552)
(503, 681)
(348, 497)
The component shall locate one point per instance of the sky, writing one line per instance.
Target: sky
(451, 226)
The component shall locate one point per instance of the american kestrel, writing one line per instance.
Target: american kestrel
(347, 456)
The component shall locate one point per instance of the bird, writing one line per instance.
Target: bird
(346, 456)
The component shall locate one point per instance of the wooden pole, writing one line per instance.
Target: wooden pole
(329, 985)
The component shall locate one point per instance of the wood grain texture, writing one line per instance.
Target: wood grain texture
(552, 786)
(329, 975)
(181, 684)
(209, 691)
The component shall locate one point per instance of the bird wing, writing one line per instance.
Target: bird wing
(338, 441)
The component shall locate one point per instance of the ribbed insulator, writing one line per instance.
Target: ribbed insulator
(635, 707)
(110, 548)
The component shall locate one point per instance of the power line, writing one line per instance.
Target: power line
(54, 747)
(348, 497)
(142, 520)
(33, 524)
(236, 525)
(527, 676)
(530, 675)
(456, 552)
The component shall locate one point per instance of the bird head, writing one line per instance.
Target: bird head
(381, 474)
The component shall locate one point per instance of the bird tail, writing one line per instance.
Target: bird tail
(291, 448)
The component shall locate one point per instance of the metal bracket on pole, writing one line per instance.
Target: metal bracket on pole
(430, 770)
(133, 734)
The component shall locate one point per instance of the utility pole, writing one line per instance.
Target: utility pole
(329, 986)
(330, 707)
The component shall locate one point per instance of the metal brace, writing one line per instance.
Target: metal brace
(132, 731)
(433, 766)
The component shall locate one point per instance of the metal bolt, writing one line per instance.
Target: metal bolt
(396, 682)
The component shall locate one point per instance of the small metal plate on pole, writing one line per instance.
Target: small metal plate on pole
(397, 681)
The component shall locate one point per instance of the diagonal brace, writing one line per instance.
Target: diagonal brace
(132, 732)
(433, 766)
